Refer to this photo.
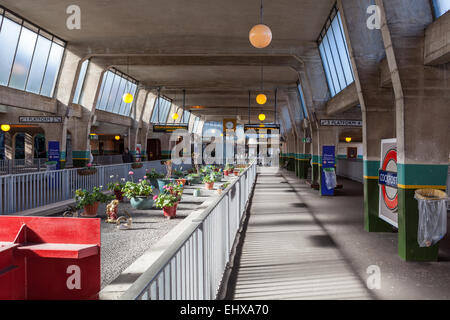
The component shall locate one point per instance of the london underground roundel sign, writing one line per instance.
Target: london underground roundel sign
(387, 180)
(389, 188)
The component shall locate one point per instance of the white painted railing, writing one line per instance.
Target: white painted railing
(21, 192)
(192, 266)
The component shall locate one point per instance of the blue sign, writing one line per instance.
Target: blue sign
(387, 178)
(328, 161)
(54, 153)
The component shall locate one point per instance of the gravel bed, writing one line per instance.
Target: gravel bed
(121, 247)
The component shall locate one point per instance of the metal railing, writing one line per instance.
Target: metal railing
(21, 166)
(192, 266)
(21, 192)
(108, 159)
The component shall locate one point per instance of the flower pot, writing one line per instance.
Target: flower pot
(136, 165)
(170, 212)
(197, 193)
(164, 182)
(236, 173)
(209, 185)
(119, 195)
(91, 210)
(225, 172)
(86, 172)
(142, 203)
(181, 181)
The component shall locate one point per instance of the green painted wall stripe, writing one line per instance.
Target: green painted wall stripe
(422, 174)
(371, 168)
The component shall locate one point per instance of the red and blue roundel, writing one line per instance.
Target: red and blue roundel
(388, 180)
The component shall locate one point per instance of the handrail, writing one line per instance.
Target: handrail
(142, 284)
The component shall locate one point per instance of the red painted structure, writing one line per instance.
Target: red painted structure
(49, 258)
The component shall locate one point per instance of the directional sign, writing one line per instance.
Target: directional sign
(261, 126)
(40, 119)
(340, 123)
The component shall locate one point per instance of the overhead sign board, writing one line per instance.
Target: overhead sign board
(340, 123)
(169, 127)
(387, 179)
(260, 126)
(44, 119)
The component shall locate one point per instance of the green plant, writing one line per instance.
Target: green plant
(140, 189)
(85, 198)
(208, 179)
(216, 175)
(115, 186)
(225, 185)
(165, 200)
(174, 189)
(177, 173)
(153, 175)
(229, 167)
(49, 163)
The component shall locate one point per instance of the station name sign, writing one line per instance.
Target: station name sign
(340, 123)
(387, 178)
(169, 127)
(40, 119)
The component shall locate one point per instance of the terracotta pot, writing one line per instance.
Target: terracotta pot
(209, 185)
(170, 212)
(236, 173)
(91, 210)
(225, 172)
(119, 195)
(181, 181)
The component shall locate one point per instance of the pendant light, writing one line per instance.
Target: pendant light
(260, 35)
(127, 97)
(261, 98)
(5, 127)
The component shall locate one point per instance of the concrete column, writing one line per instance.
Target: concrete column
(366, 50)
(421, 100)
(137, 113)
(315, 155)
(65, 89)
(80, 126)
(328, 136)
(28, 149)
(9, 151)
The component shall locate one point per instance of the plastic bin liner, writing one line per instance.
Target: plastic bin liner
(432, 205)
(330, 178)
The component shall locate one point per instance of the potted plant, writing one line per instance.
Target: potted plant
(168, 178)
(168, 202)
(194, 178)
(139, 194)
(89, 201)
(116, 187)
(216, 175)
(88, 170)
(174, 189)
(208, 180)
(228, 169)
(51, 165)
(153, 176)
(136, 165)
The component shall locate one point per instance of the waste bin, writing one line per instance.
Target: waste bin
(432, 206)
(330, 178)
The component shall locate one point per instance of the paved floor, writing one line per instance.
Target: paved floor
(298, 245)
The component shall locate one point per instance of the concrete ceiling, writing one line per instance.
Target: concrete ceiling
(199, 45)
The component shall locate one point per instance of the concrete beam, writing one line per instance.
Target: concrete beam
(27, 100)
(344, 100)
(437, 41)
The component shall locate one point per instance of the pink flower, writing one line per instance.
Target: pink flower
(140, 180)
(131, 173)
(145, 177)
(89, 165)
(155, 197)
